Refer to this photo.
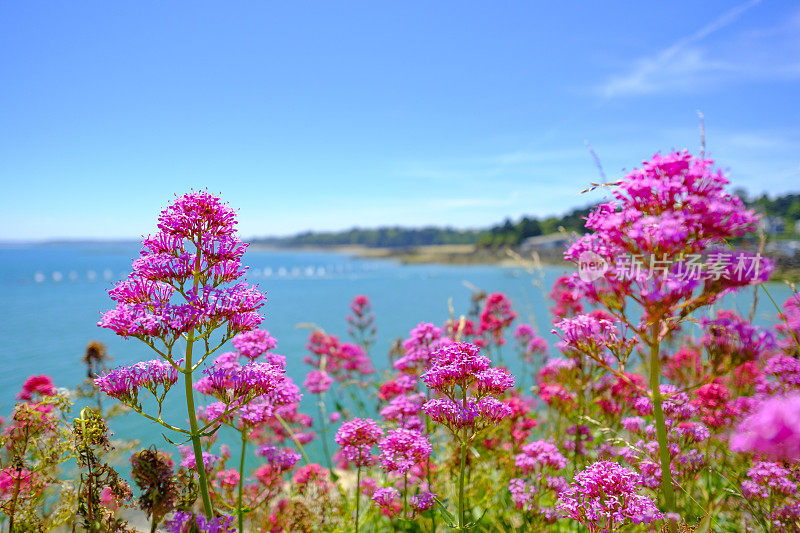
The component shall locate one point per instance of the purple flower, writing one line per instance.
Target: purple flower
(772, 430)
(785, 373)
(456, 364)
(453, 415)
(209, 459)
(196, 245)
(604, 496)
(589, 334)
(767, 479)
(231, 383)
(492, 409)
(221, 524)
(124, 382)
(387, 499)
(317, 382)
(403, 406)
(522, 493)
(279, 459)
(356, 438)
(493, 381)
(403, 448)
(422, 501)
(254, 343)
(539, 454)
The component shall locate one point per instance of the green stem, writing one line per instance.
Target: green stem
(661, 428)
(198, 451)
(461, 485)
(241, 480)
(358, 495)
(289, 431)
(405, 495)
(324, 431)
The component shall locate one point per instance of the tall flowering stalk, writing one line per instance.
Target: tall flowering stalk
(184, 288)
(466, 385)
(650, 239)
(356, 438)
(261, 411)
(361, 323)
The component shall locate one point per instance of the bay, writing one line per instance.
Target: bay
(52, 296)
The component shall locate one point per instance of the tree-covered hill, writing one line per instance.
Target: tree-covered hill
(785, 208)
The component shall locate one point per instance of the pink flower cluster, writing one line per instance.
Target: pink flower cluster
(604, 496)
(196, 245)
(341, 361)
(403, 448)
(459, 366)
(356, 438)
(496, 316)
(772, 431)
(124, 382)
(255, 343)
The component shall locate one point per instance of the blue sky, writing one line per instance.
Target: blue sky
(327, 115)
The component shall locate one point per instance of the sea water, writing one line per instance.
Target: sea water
(52, 296)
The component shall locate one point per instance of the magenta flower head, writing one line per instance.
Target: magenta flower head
(789, 327)
(403, 448)
(422, 501)
(455, 364)
(496, 316)
(388, 499)
(41, 385)
(356, 438)
(123, 383)
(317, 382)
(591, 335)
(197, 252)
(254, 343)
(604, 496)
(538, 455)
(772, 431)
(240, 384)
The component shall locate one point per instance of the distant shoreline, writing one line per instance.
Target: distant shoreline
(469, 254)
(444, 254)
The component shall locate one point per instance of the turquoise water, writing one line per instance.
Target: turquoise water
(52, 297)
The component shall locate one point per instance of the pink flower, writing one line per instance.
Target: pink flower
(604, 496)
(229, 478)
(254, 343)
(196, 241)
(357, 437)
(403, 448)
(539, 454)
(772, 430)
(496, 316)
(388, 499)
(41, 385)
(317, 382)
(108, 500)
(422, 501)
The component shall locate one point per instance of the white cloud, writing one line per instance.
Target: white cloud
(769, 53)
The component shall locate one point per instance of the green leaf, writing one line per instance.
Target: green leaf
(175, 443)
(451, 520)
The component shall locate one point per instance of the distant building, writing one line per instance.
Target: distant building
(554, 241)
(773, 225)
(788, 248)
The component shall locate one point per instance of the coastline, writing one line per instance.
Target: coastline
(786, 271)
(443, 254)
